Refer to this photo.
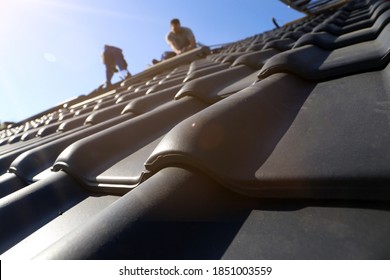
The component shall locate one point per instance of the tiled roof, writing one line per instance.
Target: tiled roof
(272, 147)
(313, 6)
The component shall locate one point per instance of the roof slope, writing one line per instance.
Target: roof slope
(313, 6)
(273, 147)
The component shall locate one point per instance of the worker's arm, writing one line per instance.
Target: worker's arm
(174, 48)
(191, 39)
(172, 44)
(191, 45)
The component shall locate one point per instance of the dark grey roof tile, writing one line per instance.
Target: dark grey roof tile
(28, 135)
(184, 67)
(8, 155)
(105, 114)
(166, 83)
(375, 10)
(4, 140)
(84, 110)
(204, 139)
(281, 112)
(207, 88)
(151, 82)
(144, 87)
(185, 204)
(9, 183)
(93, 162)
(175, 75)
(104, 104)
(238, 85)
(131, 95)
(255, 60)
(28, 162)
(274, 231)
(329, 41)
(133, 86)
(177, 62)
(356, 8)
(280, 45)
(64, 223)
(294, 35)
(346, 28)
(70, 124)
(32, 207)
(181, 205)
(216, 59)
(212, 57)
(201, 63)
(312, 62)
(14, 138)
(205, 71)
(149, 102)
(229, 58)
(48, 129)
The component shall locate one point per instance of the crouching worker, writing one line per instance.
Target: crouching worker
(114, 60)
(181, 39)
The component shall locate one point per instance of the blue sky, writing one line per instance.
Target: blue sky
(50, 49)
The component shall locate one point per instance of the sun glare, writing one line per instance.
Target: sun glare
(50, 57)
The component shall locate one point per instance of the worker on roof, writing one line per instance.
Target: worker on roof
(113, 58)
(179, 38)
